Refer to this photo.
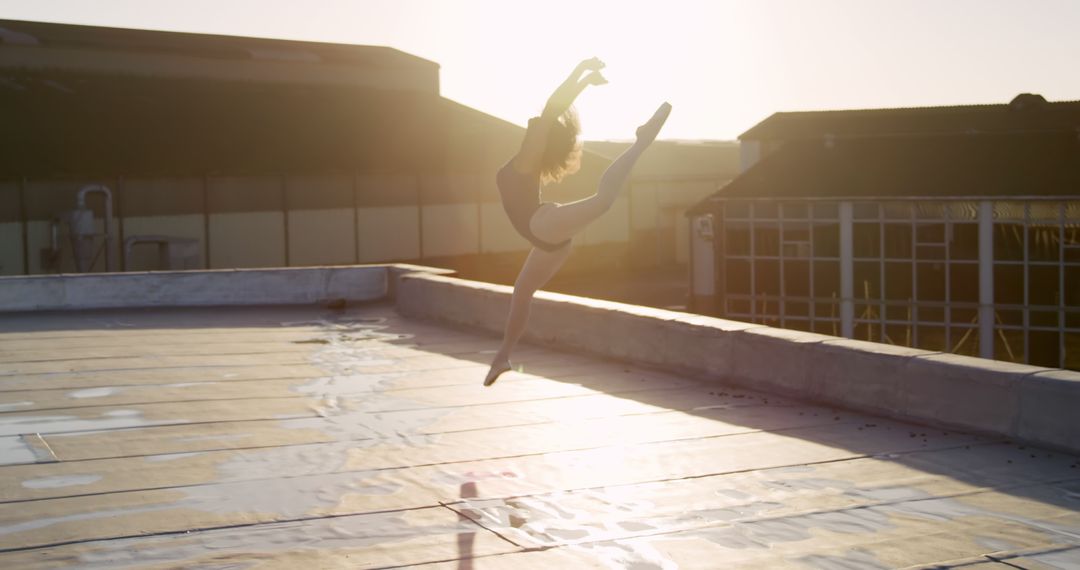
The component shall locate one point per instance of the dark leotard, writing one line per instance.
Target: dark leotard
(521, 198)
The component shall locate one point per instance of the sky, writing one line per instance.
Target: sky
(723, 64)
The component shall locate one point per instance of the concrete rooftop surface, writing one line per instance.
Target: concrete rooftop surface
(303, 437)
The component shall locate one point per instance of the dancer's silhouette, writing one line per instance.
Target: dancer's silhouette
(549, 152)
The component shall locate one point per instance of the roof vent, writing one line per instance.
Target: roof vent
(1027, 102)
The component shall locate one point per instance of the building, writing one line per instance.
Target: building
(669, 179)
(249, 152)
(952, 229)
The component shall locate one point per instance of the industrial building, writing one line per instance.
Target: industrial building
(952, 229)
(229, 152)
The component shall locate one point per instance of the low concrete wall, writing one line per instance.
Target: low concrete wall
(1034, 404)
(193, 288)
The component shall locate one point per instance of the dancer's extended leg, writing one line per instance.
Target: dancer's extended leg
(561, 222)
(538, 269)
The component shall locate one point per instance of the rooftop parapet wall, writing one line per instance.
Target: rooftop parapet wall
(1017, 401)
(278, 286)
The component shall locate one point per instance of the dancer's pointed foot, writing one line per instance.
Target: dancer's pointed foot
(647, 133)
(497, 369)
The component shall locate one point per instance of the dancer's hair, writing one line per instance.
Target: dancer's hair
(562, 155)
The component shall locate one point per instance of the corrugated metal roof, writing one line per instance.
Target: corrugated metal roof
(56, 35)
(65, 123)
(918, 121)
(1029, 164)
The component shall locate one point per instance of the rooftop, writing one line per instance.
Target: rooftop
(285, 437)
(1025, 113)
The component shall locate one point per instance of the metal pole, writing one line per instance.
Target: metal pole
(1061, 285)
(986, 279)
(120, 183)
(420, 213)
(847, 304)
(25, 226)
(355, 219)
(285, 215)
(206, 221)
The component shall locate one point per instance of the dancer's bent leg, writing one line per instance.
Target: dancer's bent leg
(563, 221)
(539, 267)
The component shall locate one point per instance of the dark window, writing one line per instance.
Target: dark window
(931, 337)
(867, 280)
(1008, 344)
(1072, 350)
(898, 280)
(930, 282)
(867, 239)
(738, 306)
(898, 334)
(1043, 285)
(737, 277)
(898, 312)
(965, 244)
(930, 252)
(826, 279)
(737, 239)
(1043, 319)
(1043, 243)
(826, 240)
(1009, 284)
(767, 277)
(827, 327)
(964, 282)
(867, 331)
(798, 231)
(928, 314)
(965, 340)
(1010, 317)
(1008, 242)
(796, 309)
(930, 233)
(797, 324)
(1072, 285)
(766, 240)
(797, 278)
(1044, 348)
(965, 315)
(898, 241)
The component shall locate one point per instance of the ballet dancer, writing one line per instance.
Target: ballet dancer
(550, 152)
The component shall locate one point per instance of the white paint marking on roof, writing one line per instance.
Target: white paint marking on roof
(60, 481)
(94, 392)
(14, 450)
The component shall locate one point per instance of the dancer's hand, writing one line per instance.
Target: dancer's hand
(594, 78)
(591, 64)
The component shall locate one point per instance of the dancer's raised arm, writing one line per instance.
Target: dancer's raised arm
(532, 149)
(568, 91)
